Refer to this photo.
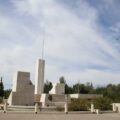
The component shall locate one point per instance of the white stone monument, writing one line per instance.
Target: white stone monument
(58, 88)
(92, 108)
(39, 80)
(57, 95)
(22, 91)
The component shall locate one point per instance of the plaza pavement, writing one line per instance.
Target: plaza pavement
(56, 116)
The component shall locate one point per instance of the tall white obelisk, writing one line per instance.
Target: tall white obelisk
(39, 78)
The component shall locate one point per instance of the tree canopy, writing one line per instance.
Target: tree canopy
(47, 86)
(1, 88)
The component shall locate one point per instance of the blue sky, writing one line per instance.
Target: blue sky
(82, 40)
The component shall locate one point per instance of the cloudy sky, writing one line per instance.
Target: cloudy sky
(82, 39)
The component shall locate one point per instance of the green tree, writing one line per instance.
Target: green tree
(62, 80)
(68, 89)
(112, 92)
(100, 90)
(89, 87)
(1, 100)
(76, 88)
(82, 88)
(47, 86)
(1, 88)
(7, 93)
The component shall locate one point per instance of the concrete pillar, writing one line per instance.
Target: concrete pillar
(119, 108)
(66, 104)
(39, 80)
(5, 107)
(97, 111)
(66, 108)
(114, 108)
(36, 108)
(92, 108)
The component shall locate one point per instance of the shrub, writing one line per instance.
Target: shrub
(79, 105)
(102, 103)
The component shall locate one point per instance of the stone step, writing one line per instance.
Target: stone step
(30, 108)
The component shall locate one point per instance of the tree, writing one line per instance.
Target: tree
(47, 86)
(1, 88)
(89, 87)
(7, 93)
(76, 88)
(68, 89)
(62, 80)
(80, 88)
(112, 92)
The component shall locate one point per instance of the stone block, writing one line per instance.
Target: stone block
(22, 91)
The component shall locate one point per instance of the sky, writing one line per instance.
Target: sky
(81, 39)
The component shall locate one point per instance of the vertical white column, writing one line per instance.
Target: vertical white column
(36, 108)
(5, 106)
(97, 111)
(92, 108)
(66, 104)
(66, 108)
(39, 80)
(114, 107)
(119, 108)
(14, 86)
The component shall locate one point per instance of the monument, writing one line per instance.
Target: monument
(22, 90)
(39, 80)
(58, 88)
(56, 96)
(24, 93)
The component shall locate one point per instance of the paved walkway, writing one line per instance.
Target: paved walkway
(28, 116)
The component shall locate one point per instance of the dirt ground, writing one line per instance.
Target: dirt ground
(54, 116)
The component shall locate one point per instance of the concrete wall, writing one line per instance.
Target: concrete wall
(57, 100)
(85, 96)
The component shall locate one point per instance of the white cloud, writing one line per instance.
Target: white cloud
(97, 77)
(71, 41)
